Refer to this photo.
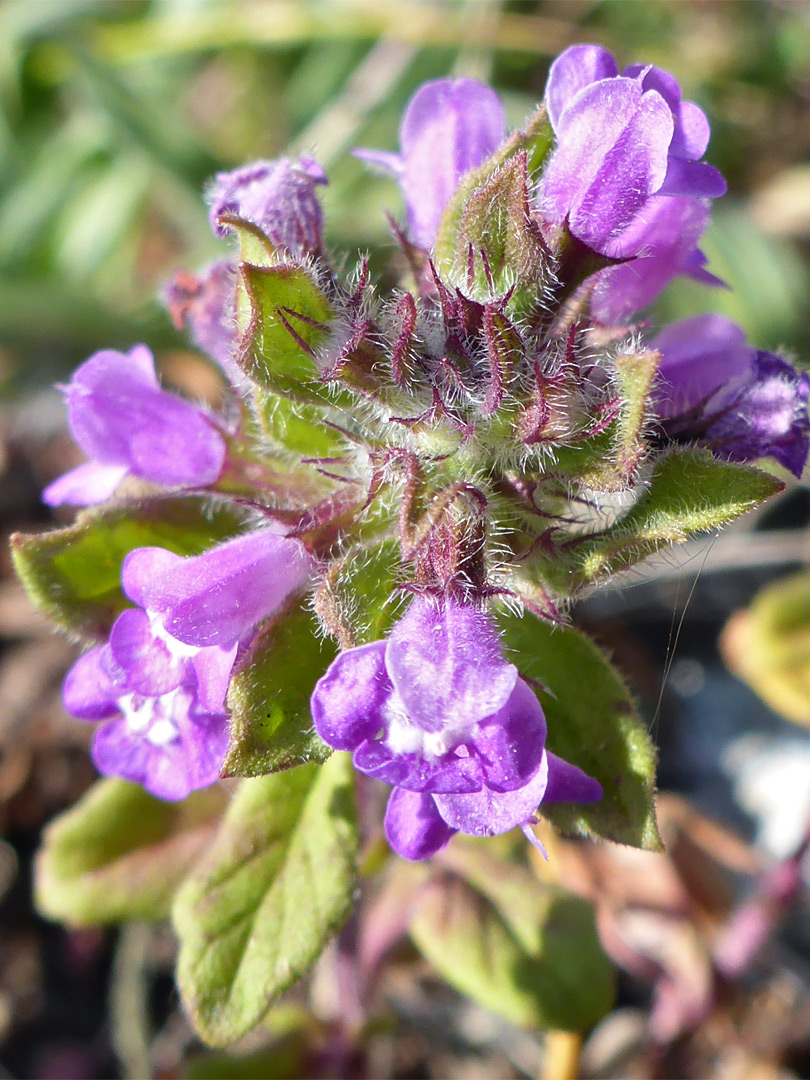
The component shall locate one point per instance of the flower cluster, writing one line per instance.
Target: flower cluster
(465, 421)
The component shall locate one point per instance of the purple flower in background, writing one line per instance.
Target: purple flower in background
(744, 403)
(277, 196)
(620, 140)
(207, 306)
(665, 233)
(450, 126)
(126, 424)
(437, 712)
(170, 743)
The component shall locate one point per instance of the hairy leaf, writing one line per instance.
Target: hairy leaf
(271, 728)
(275, 884)
(121, 854)
(593, 723)
(523, 949)
(287, 320)
(690, 491)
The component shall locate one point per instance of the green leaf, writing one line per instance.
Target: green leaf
(121, 854)
(74, 574)
(268, 699)
(288, 318)
(526, 950)
(275, 885)
(593, 723)
(355, 600)
(689, 491)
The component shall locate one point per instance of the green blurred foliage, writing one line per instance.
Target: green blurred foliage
(113, 114)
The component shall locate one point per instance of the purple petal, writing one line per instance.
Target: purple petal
(88, 692)
(413, 826)
(277, 196)
(488, 812)
(86, 485)
(446, 664)
(767, 419)
(655, 78)
(611, 156)
(168, 767)
(119, 416)
(217, 597)
(665, 233)
(568, 783)
(695, 268)
(574, 69)
(691, 135)
(382, 159)
(348, 701)
(415, 772)
(692, 132)
(449, 127)
(510, 743)
(694, 179)
(149, 665)
(213, 667)
(698, 356)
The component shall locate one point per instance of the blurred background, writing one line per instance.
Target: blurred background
(113, 115)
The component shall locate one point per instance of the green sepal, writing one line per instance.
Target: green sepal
(274, 886)
(593, 723)
(74, 574)
(523, 949)
(497, 244)
(121, 854)
(255, 247)
(535, 141)
(285, 316)
(268, 700)
(689, 491)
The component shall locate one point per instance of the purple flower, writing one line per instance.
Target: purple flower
(437, 712)
(277, 196)
(161, 680)
(620, 140)
(170, 743)
(207, 306)
(665, 233)
(216, 598)
(743, 403)
(450, 126)
(125, 423)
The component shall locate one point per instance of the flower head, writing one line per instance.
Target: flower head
(438, 712)
(277, 196)
(126, 424)
(170, 743)
(620, 140)
(449, 127)
(160, 681)
(744, 403)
